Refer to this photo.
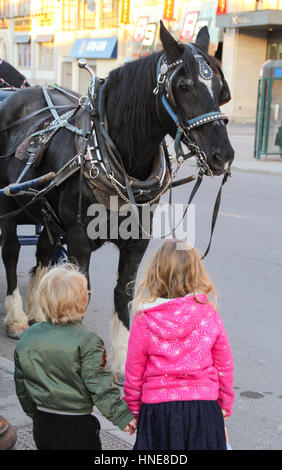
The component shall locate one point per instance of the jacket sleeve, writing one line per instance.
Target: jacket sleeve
(25, 400)
(223, 361)
(99, 381)
(135, 366)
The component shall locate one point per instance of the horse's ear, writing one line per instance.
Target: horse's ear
(225, 95)
(170, 45)
(203, 39)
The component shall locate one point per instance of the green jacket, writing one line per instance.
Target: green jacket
(63, 368)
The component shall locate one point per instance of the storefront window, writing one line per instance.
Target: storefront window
(109, 14)
(4, 8)
(24, 55)
(46, 6)
(46, 56)
(274, 51)
(86, 14)
(23, 7)
(70, 8)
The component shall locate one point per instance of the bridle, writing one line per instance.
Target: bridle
(165, 74)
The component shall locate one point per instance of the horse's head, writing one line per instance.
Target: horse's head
(192, 88)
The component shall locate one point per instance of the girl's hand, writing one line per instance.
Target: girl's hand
(224, 414)
(131, 427)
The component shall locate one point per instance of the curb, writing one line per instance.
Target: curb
(7, 365)
(258, 167)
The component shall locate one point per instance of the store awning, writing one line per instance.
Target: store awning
(45, 38)
(260, 19)
(95, 48)
(22, 39)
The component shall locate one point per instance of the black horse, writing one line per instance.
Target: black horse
(137, 122)
(11, 77)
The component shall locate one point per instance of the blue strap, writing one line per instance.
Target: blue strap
(169, 110)
(204, 116)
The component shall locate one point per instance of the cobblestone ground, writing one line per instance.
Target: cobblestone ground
(25, 440)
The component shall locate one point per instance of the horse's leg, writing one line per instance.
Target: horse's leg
(131, 254)
(44, 254)
(79, 249)
(15, 319)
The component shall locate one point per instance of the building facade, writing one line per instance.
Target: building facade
(45, 38)
(252, 34)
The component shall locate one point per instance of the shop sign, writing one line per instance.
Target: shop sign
(168, 9)
(221, 7)
(189, 25)
(125, 16)
(241, 19)
(23, 23)
(140, 28)
(4, 23)
(145, 32)
(95, 48)
(150, 34)
(278, 72)
(46, 19)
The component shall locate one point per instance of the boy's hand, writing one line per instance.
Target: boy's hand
(131, 427)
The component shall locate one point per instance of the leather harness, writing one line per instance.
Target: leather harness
(98, 159)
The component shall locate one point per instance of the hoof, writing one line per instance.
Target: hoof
(119, 379)
(15, 330)
(8, 435)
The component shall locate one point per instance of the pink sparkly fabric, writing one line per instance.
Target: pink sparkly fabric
(178, 350)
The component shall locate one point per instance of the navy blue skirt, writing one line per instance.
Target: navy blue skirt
(181, 425)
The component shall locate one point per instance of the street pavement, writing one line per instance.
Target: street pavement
(245, 432)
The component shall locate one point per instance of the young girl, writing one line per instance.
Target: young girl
(60, 371)
(179, 368)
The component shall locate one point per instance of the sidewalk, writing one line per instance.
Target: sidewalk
(242, 138)
(111, 437)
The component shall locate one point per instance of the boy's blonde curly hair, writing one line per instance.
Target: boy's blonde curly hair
(63, 294)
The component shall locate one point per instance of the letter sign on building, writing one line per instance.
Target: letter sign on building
(221, 7)
(189, 24)
(125, 16)
(150, 34)
(168, 9)
(140, 28)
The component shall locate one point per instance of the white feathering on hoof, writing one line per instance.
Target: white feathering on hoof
(119, 341)
(35, 313)
(15, 319)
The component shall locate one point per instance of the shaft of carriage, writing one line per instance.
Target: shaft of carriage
(15, 188)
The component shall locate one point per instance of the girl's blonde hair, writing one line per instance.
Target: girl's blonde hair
(63, 294)
(175, 270)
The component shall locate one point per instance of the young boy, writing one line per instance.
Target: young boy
(60, 371)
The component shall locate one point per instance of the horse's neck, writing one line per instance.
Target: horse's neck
(134, 127)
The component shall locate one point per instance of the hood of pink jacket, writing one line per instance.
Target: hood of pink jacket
(175, 318)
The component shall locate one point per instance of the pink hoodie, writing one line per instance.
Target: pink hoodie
(178, 350)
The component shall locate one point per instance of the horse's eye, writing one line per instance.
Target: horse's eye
(187, 85)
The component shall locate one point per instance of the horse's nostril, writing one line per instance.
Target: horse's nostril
(217, 161)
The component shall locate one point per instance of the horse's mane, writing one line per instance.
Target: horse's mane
(130, 88)
(132, 104)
